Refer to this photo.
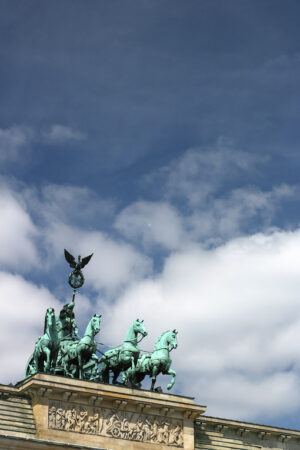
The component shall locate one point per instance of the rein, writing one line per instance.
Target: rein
(135, 340)
(163, 348)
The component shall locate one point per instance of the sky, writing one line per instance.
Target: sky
(162, 136)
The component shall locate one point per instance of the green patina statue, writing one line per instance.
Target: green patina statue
(154, 363)
(67, 331)
(44, 349)
(66, 324)
(76, 278)
(58, 351)
(121, 358)
(75, 354)
(61, 351)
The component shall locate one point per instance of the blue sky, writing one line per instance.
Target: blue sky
(163, 136)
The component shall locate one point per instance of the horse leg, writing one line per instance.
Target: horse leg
(47, 362)
(104, 371)
(132, 363)
(154, 375)
(173, 373)
(53, 358)
(35, 362)
(116, 374)
(129, 378)
(126, 377)
(138, 378)
(80, 364)
(66, 368)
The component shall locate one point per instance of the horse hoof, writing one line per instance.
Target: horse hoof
(158, 389)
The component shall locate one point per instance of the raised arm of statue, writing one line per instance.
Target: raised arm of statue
(67, 310)
(74, 327)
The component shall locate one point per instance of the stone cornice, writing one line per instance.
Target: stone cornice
(243, 428)
(70, 389)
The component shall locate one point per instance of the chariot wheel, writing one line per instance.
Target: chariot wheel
(76, 280)
(115, 432)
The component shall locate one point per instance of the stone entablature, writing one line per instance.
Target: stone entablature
(97, 415)
(215, 433)
(46, 412)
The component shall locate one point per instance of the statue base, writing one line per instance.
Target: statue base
(101, 416)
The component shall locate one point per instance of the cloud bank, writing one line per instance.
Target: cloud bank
(230, 290)
(237, 311)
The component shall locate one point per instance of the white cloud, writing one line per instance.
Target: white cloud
(17, 231)
(62, 134)
(199, 173)
(57, 210)
(114, 265)
(235, 395)
(73, 204)
(150, 222)
(235, 306)
(14, 141)
(237, 311)
(240, 211)
(206, 199)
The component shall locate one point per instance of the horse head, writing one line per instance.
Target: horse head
(139, 327)
(172, 338)
(95, 323)
(167, 340)
(49, 319)
(50, 314)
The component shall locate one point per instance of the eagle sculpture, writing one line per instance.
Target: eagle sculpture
(77, 265)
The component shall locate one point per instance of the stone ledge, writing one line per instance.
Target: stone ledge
(240, 426)
(215, 431)
(42, 385)
(83, 414)
(24, 443)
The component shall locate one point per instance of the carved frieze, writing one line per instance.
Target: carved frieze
(114, 423)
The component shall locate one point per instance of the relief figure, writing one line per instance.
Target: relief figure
(116, 424)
